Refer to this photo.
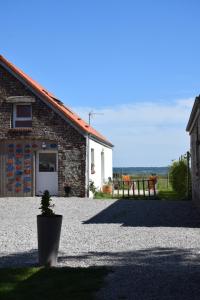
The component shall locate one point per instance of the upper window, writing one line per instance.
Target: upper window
(22, 115)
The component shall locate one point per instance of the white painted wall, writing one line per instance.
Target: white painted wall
(108, 164)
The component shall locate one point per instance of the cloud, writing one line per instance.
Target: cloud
(144, 134)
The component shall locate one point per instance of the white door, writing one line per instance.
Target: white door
(47, 172)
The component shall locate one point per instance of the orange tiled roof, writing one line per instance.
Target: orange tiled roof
(55, 102)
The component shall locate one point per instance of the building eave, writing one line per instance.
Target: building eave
(103, 143)
(193, 115)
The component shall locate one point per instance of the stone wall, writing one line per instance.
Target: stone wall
(195, 162)
(47, 125)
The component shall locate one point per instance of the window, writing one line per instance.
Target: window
(47, 162)
(92, 161)
(22, 116)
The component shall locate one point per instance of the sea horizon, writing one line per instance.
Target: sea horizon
(141, 170)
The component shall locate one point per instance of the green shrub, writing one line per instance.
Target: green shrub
(178, 177)
(46, 204)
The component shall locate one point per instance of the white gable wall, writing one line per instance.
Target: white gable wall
(99, 151)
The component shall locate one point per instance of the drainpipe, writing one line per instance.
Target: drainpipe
(87, 165)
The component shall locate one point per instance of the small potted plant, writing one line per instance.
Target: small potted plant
(48, 228)
(107, 187)
(67, 190)
(92, 189)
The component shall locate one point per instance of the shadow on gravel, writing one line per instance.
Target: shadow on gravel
(19, 259)
(149, 274)
(149, 213)
(146, 274)
(172, 258)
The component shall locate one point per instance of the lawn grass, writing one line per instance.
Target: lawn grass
(163, 184)
(162, 194)
(50, 283)
(168, 195)
(101, 195)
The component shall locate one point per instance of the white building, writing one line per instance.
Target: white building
(100, 162)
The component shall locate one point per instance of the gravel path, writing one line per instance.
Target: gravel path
(153, 247)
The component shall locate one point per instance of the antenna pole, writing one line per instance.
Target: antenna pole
(90, 114)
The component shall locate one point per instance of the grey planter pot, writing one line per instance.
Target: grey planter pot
(48, 229)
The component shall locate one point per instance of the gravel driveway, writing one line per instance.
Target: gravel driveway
(153, 247)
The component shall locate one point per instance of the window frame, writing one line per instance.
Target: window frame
(15, 118)
(56, 161)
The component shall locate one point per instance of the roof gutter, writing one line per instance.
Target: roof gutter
(92, 137)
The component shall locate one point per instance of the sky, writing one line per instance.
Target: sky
(133, 62)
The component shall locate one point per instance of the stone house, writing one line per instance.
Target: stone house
(43, 144)
(193, 127)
